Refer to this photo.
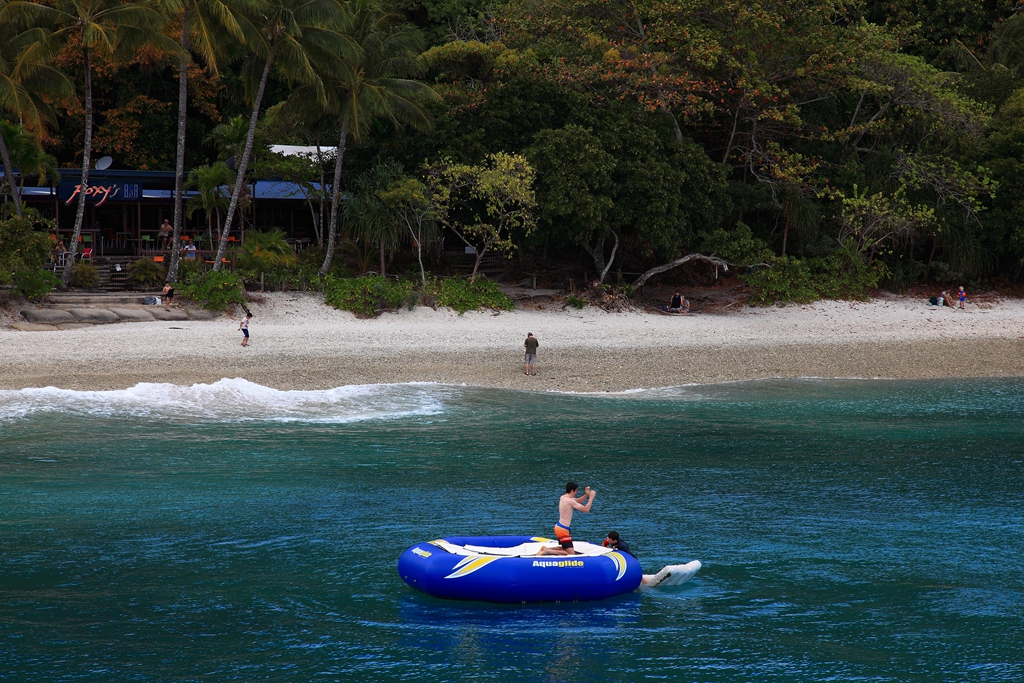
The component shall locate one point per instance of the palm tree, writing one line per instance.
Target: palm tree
(266, 251)
(1005, 48)
(370, 218)
(229, 137)
(28, 157)
(293, 36)
(108, 27)
(374, 85)
(207, 28)
(25, 76)
(210, 180)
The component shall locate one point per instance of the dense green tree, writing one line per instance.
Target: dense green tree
(28, 156)
(23, 252)
(934, 27)
(293, 38)
(575, 190)
(374, 84)
(1003, 151)
(26, 75)
(104, 27)
(416, 211)
(485, 205)
(368, 217)
(209, 28)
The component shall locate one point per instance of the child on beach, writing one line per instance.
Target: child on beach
(963, 297)
(244, 327)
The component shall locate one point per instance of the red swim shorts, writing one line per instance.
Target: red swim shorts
(564, 539)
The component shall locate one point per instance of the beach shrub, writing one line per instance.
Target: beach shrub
(190, 267)
(213, 290)
(84, 276)
(844, 274)
(23, 249)
(146, 272)
(366, 296)
(370, 295)
(35, 284)
(576, 302)
(462, 295)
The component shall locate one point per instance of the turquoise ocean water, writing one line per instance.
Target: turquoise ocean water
(850, 531)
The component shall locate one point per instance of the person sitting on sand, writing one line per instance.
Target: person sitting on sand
(945, 299)
(566, 504)
(678, 304)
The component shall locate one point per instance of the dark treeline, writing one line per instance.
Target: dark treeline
(835, 145)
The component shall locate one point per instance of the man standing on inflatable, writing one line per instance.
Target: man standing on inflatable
(566, 504)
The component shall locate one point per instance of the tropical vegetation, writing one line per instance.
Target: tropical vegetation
(829, 147)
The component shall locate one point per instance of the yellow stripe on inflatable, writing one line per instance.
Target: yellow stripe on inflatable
(620, 563)
(470, 565)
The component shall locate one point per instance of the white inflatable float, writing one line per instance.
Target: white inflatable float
(672, 575)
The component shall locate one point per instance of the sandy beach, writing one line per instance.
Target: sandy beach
(299, 343)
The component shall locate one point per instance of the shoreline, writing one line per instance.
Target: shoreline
(298, 343)
(591, 370)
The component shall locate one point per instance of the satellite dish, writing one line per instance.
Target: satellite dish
(103, 163)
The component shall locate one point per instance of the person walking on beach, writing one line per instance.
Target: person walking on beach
(531, 345)
(566, 504)
(963, 298)
(244, 327)
(168, 293)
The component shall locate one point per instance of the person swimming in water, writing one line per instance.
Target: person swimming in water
(566, 504)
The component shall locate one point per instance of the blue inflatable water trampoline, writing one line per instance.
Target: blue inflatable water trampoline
(507, 569)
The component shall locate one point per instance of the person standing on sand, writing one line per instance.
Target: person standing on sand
(566, 504)
(531, 345)
(963, 298)
(244, 327)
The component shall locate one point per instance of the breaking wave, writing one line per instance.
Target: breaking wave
(231, 400)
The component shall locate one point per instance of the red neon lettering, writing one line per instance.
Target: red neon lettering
(94, 191)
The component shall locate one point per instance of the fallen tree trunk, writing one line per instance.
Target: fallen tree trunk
(714, 260)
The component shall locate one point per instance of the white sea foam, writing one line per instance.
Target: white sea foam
(231, 400)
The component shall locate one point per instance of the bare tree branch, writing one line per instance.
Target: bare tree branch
(714, 260)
